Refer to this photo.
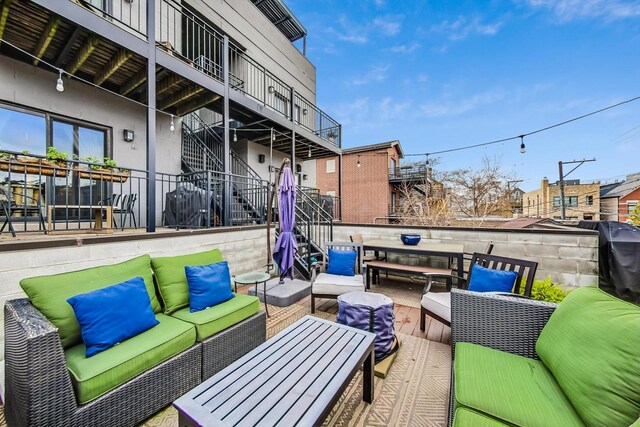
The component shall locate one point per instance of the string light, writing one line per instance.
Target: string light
(523, 149)
(358, 164)
(309, 151)
(172, 126)
(59, 82)
(235, 136)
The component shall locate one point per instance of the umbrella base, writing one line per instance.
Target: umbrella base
(283, 295)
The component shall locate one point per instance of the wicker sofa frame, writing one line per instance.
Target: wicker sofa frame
(505, 323)
(39, 391)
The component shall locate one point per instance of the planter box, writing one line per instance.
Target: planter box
(103, 175)
(33, 166)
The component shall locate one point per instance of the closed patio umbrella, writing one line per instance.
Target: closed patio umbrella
(286, 246)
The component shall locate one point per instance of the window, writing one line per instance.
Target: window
(393, 167)
(331, 193)
(556, 201)
(570, 201)
(589, 200)
(22, 130)
(631, 205)
(331, 166)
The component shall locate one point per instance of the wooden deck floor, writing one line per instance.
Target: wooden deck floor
(407, 320)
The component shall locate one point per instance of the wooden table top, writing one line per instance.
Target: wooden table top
(424, 246)
(289, 380)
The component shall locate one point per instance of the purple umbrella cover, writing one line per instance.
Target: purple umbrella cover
(286, 246)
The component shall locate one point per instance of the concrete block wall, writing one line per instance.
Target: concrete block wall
(571, 259)
(245, 248)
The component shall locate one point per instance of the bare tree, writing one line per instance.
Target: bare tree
(479, 193)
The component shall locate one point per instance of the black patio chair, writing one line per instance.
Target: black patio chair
(126, 209)
(29, 206)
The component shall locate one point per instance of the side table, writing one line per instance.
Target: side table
(254, 278)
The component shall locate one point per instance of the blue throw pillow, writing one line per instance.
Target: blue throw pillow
(342, 263)
(208, 285)
(487, 280)
(113, 314)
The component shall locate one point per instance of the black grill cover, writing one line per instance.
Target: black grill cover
(618, 257)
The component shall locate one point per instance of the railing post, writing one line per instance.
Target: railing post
(227, 150)
(264, 86)
(151, 116)
(208, 199)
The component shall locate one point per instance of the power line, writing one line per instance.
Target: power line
(522, 136)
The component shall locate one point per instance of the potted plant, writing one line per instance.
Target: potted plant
(54, 164)
(105, 170)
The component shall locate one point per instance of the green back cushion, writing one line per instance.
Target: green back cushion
(172, 280)
(49, 294)
(591, 345)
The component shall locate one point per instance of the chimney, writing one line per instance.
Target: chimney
(545, 183)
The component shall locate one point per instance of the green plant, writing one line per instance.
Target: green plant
(56, 156)
(96, 164)
(110, 163)
(634, 216)
(4, 155)
(545, 290)
(25, 152)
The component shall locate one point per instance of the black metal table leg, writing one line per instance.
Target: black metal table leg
(367, 377)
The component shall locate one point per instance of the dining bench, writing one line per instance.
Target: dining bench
(376, 266)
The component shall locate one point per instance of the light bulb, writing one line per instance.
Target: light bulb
(235, 136)
(523, 149)
(309, 152)
(358, 163)
(172, 126)
(59, 82)
(274, 135)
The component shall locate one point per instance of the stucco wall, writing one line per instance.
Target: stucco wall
(571, 259)
(243, 247)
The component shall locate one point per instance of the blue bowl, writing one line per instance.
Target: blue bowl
(410, 239)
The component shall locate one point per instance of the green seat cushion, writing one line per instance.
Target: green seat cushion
(214, 319)
(49, 294)
(511, 388)
(94, 376)
(172, 280)
(591, 345)
(464, 417)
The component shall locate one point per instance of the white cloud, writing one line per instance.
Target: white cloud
(405, 48)
(389, 26)
(465, 105)
(379, 3)
(377, 73)
(569, 10)
(362, 113)
(461, 28)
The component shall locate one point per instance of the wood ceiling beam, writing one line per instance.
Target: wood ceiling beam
(117, 61)
(45, 38)
(83, 54)
(196, 104)
(68, 46)
(167, 83)
(4, 15)
(135, 81)
(179, 96)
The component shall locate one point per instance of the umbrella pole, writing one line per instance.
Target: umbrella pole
(272, 192)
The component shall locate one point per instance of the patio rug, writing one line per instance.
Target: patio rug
(414, 393)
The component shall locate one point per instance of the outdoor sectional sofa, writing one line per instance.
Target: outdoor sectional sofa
(50, 382)
(520, 362)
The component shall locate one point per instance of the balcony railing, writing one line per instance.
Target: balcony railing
(408, 173)
(182, 33)
(37, 195)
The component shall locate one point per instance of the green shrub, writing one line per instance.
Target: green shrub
(544, 290)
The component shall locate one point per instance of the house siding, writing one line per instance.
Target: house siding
(623, 204)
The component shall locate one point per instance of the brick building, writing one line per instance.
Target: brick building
(367, 194)
(582, 201)
(619, 199)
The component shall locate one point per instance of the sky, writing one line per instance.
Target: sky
(437, 75)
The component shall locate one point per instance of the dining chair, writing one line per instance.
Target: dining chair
(29, 205)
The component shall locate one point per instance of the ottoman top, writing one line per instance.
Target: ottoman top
(368, 299)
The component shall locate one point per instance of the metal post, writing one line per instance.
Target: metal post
(227, 151)
(293, 134)
(151, 117)
(340, 183)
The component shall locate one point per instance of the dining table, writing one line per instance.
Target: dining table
(451, 251)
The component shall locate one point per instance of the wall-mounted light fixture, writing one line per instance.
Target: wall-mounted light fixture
(127, 135)
(298, 168)
(304, 177)
(305, 111)
(272, 89)
(261, 158)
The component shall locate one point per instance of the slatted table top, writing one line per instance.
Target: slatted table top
(294, 378)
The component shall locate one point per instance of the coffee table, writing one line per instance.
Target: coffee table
(295, 378)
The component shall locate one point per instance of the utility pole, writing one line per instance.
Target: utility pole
(562, 176)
